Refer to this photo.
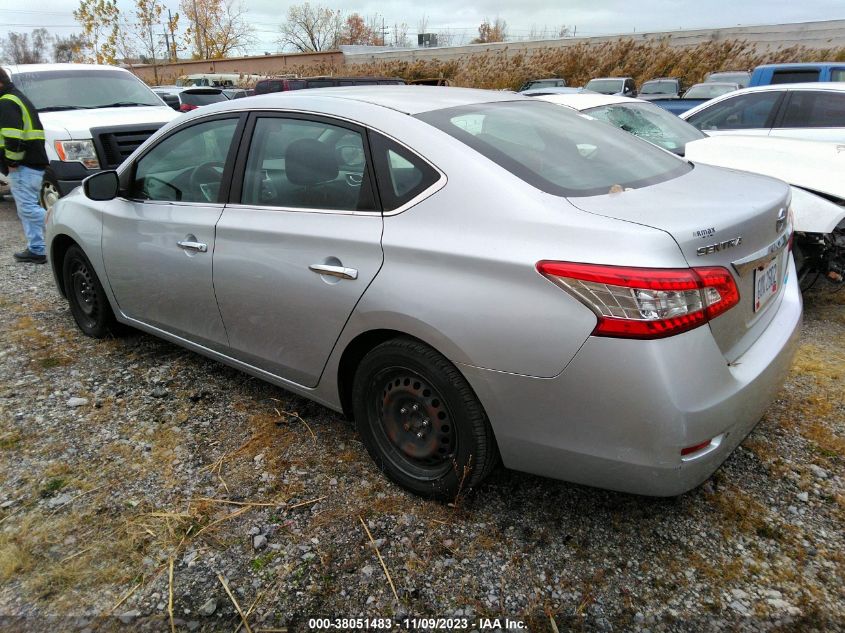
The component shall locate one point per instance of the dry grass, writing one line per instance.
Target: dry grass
(580, 62)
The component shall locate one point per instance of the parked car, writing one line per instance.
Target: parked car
(710, 90)
(635, 116)
(661, 88)
(235, 93)
(812, 111)
(187, 99)
(283, 85)
(814, 169)
(741, 77)
(430, 81)
(552, 82)
(536, 92)
(344, 248)
(93, 118)
(622, 86)
(797, 73)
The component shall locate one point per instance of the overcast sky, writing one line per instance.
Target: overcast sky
(587, 17)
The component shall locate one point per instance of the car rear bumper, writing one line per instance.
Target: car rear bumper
(618, 416)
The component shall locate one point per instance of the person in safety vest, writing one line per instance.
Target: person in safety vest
(24, 157)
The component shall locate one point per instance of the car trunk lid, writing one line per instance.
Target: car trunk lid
(719, 217)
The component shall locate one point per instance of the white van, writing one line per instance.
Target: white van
(93, 118)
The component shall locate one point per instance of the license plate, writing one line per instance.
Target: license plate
(765, 284)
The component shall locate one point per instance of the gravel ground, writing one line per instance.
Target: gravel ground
(138, 478)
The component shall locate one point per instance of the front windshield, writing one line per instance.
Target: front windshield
(709, 91)
(651, 123)
(605, 86)
(556, 149)
(659, 88)
(82, 89)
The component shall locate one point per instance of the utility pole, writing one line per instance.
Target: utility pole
(383, 32)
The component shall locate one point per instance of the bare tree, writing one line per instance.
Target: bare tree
(488, 33)
(27, 48)
(311, 28)
(400, 37)
(69, 49)
(216, 28)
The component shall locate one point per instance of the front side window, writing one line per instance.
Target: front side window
(304, 164)
(814, 109)
(649, 122)
(186, 166)
(747, 111)
(556, 149)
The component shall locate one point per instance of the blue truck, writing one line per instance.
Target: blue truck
(797, 73)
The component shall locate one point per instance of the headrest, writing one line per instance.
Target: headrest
(310, 162)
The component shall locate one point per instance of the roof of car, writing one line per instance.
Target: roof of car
(30, 68)
(710, 84)
(406, 99)
(586, 100)
(802, 65)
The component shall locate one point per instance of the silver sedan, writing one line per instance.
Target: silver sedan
(472, 276)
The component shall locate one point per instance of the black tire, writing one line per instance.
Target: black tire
(49, 193)
(420, 420)
(88, 302)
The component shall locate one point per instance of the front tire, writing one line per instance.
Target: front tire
(88, 302)
(420, 420)
(49, 194)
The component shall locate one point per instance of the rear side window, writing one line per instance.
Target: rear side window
(304, 164)
(814, 109)
(743, 112)
(837, 74)
(794, 76)
(401, 174)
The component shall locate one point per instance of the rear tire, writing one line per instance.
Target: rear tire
(88, 302)
(420, 420)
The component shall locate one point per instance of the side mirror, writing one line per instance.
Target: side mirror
(104, 185)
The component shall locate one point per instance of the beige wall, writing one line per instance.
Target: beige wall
(263, 65)
(818, 35)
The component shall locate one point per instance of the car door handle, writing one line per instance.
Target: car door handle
(197, 247)
(334, 271)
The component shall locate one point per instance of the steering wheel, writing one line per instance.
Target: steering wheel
(205, 179)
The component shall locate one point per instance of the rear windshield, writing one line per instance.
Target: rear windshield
(709, 90)
(82, 89)
(202, 98)
(605, 86)
(556, 149)
(734, 78)
(650, 123)
(659, 88)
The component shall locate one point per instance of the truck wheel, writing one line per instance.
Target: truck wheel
(49, 191)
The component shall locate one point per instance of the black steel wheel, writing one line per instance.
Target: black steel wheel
(420, 420)
(88, 302)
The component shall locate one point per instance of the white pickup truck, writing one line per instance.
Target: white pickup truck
(93, 118)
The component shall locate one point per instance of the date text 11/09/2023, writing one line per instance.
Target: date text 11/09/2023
(413, 624)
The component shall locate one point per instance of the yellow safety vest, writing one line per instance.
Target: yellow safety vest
(28, 133)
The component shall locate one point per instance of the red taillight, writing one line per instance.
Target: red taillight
(695, 449)
(187, 107)
(645, 303)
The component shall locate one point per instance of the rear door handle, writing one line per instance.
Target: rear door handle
(197, 247)
(334, 271)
